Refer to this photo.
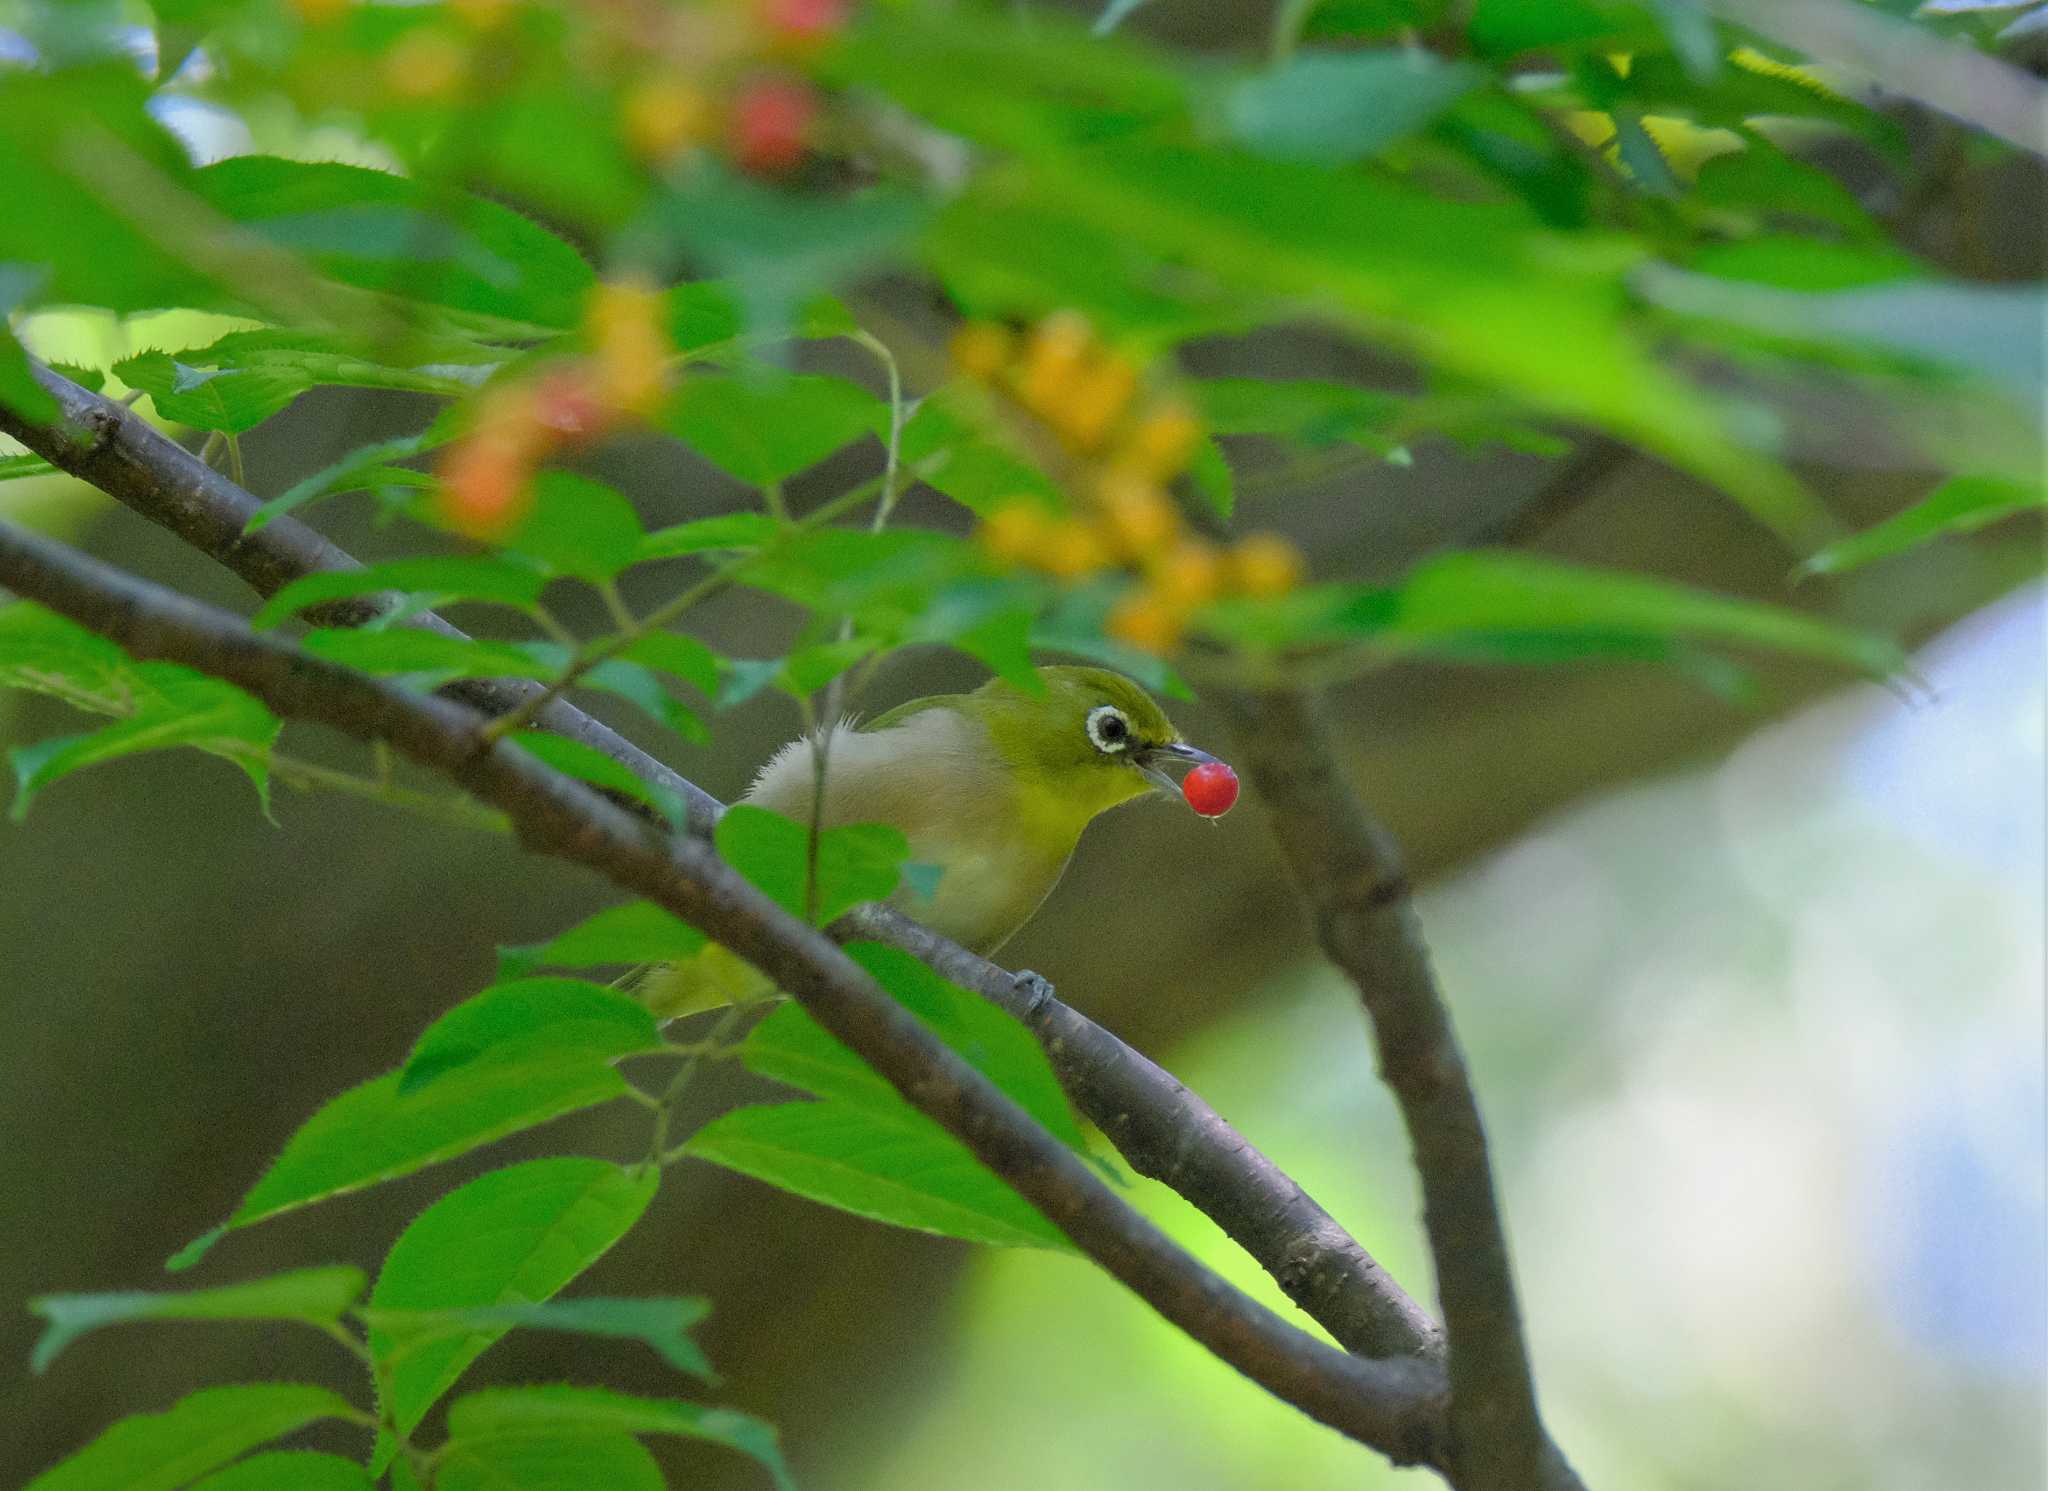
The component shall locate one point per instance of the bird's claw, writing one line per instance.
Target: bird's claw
(1036, 989)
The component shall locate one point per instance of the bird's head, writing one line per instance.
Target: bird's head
(1090, 740)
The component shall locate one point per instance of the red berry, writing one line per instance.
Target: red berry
(1210, 789)
(770, 122)
(568, 402)
(804, 20)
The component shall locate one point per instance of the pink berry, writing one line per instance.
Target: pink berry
(1210, 789)
(771, 122)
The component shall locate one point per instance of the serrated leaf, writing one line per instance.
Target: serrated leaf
(513, 1237)
(313, 1296)
(528, 1409)
(896, 1170)
(164, 1451)
(563, 1461)
(1962, 504)
(577, 526)
(181, 708)
(638, 932)
(289, 1470)
(856, 863)
(15, 468)
(548, 1022)
(48, 653)
(1344, 106)
(446, 577)
(228, 400)
(764, 430)
(726, 533)
(373, 1132)
(588, 764)
(662, 1323)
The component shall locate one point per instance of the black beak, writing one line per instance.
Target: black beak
(1153, 761)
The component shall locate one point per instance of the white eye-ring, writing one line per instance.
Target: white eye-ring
(1108, 730)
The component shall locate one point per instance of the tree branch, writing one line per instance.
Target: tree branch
(1395, 1406)
(1162, 1130)
(1351, 875)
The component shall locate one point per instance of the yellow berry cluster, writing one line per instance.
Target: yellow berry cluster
(1127, 445)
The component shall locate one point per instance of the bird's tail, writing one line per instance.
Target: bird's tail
(708, 979)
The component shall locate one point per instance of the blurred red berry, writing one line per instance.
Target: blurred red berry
(771, 121)
(802, 23)
(568, 402)
(1210, 789)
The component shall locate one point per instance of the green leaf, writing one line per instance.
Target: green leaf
(1962, 504)
(395, 236)
(578, 527)
(638, 685)
(661, 1323)
(856, 863)
(374, 1132)
(314, 1296)
(163, 1451)
(951, 452)
(1457, 598)
(513, 1237)
(524, 1410)
(677, 655)
(728, 532)
(434, 657)
(888, 577)
(901, 1169)
(19, 389)
(558, 1461)
(637, 932)
(47, 653)
(289, 1470)
(1308, 411)
(230, 401)
(1505, 28)
(588, 764)
(182, 708)
(15, 468)
(765, 429)
(444, 577)
(548, 1022)
(1343, 106)
(356, 469)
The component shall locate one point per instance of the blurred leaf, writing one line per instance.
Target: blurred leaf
(513, 1237)
(525, 1410)
(663, 1324)
(19, 390)
(893, 575)
(588, 764)
(947, 450)
(14, 468)
(1504, 28)
(399, 237)
(1342, 106)
(763, 431)
(314, 1296)
(729, 532)
(1990, 331)
(857, 862)
(374, 1132)
(289, 1470)
(1210, 474)
(1308, 411)
(558, 1023)
(562, 1460)
(436, 658)
(578, 526)
(356, 469)
(47, 653)
(1962, 504)
(448, 577)
(637, 932)
(677, 655)
(181, 708)
(164, 1451)
(632, 682)
(1462, 596)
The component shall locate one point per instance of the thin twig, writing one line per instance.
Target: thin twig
(1393, 1405)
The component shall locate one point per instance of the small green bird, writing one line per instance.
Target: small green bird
(993, 788)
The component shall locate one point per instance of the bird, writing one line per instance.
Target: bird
(992, 788)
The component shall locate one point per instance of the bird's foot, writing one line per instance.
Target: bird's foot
(1036, 989)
